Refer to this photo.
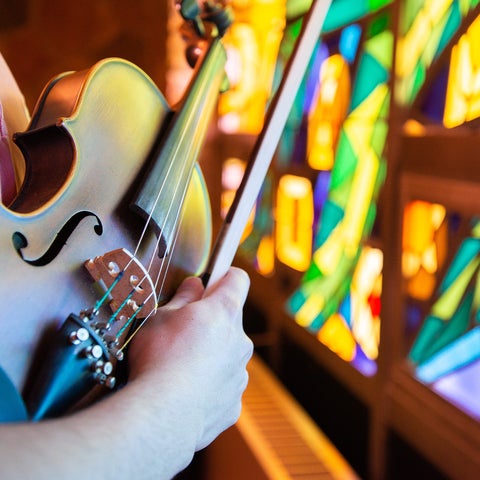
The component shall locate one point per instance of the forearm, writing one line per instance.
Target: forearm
(187, 376)
(125, 436)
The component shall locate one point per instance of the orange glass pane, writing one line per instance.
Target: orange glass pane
(328, 112)
(424, 247)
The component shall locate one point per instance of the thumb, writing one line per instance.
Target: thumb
(190, 290)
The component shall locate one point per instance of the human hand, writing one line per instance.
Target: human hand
(196, 345)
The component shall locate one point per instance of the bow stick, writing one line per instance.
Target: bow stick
(231, 231)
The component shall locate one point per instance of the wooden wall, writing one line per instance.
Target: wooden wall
(41, 38)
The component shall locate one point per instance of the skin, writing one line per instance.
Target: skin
(187, 377)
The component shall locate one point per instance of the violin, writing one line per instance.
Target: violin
(114, 212)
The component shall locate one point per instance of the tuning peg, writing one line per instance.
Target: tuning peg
(93, 351)
(106, 380)
(102, 367)
(77, 336)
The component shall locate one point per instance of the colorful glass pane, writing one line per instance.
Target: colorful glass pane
(258, 246)
(344, 12)
(462, 103)
(452, 316)
(425, 235)
(358, 172)
(353, 332)
(293, 142)
(328, 112)
(294, 220)
(424, 32)
(252, 44)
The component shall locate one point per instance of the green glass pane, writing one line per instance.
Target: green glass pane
(409, 13)
(431, 328)
(336, 287)
(451, 26)
(418, 79)
(370, 74)
(344, 12)
(379, 24)
(312, 273)
(345, 163)
(458, 354)
(381, 175)
(469, 249)
(476, 297)
(453, 328)
(466, 5)
(385, 110)
(448, 301)
(432, 46)
(327, 285)
(341, 194)
(332, 214)
(379, 137)
(380, 47)
(377, 4)
(370, 219)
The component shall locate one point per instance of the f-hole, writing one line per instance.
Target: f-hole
(20, 241)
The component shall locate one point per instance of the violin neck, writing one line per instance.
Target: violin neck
(178, 146)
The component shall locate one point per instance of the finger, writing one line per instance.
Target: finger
(234, 286)
(190, 290)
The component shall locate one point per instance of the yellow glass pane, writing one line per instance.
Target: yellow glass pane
(252, 43)
(462, 101)
(294, 220)
(417, 226)
(336, 335)
(361, 195)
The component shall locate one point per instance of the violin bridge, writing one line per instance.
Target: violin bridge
(128, 283)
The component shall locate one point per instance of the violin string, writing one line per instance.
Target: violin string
(163, 267)
(148, 221)
(179, 194)
(100, 302)
(180, 141)
(153, 311)
(137, 329)
(170, 243)
(157, 280)
(165, 262)
(115, 314)
(129, 322)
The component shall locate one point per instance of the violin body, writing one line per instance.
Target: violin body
(92, 145)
